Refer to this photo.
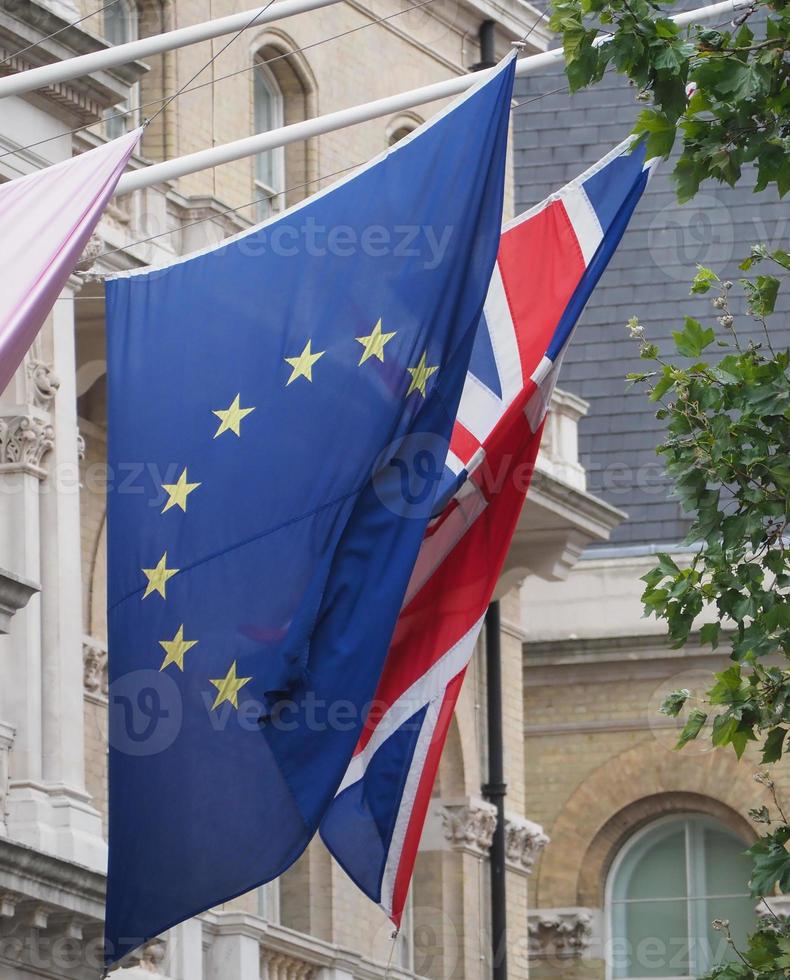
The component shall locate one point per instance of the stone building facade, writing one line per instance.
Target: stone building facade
(312, 923)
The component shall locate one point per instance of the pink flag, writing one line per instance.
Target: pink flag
(46, 219)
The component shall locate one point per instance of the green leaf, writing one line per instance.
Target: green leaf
(762, 295)
(772, 749)
(710, 634)
(703, 280)
(692, 340)
(692, 728)
(741, 737)
(782, 258)
(674, 703)
(688, 175)
(659, 131)
(663, 385)
(730, 688)
(771, 865)
(724, 730)
(672, 57)
(666, 565)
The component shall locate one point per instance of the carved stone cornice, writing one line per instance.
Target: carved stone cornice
(469, 825)
(46, 32)
(15, 593)
(84, 108)
(24, 442)
(560, 933)
(524, 841)
(94, 664)
(47, 904)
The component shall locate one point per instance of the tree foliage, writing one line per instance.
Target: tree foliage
(722, 396)
(727, 423)
(727, 434)
(723, 89)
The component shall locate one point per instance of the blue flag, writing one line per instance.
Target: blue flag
(279, 414)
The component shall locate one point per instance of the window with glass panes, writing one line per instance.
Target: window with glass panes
(270, 165)
(665, 889)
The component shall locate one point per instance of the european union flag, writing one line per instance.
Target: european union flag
(280, 410)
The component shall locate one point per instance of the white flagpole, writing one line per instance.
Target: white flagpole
(122, 54)
(250, 145)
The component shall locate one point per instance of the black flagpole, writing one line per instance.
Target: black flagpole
(495, 791)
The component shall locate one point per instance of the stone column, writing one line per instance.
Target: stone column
(78, 824)
(515, 802)
(187, 943)
(451, 890)
(524, 840)
(26, 437)
(235, 950)
(41, 693)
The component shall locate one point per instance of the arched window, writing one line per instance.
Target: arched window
(399, 134)
(665, 889)
(120, 26)
(402, 126)
(270, 165)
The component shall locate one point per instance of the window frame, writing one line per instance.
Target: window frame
(694, 824)
(269, 901)
(269, 198)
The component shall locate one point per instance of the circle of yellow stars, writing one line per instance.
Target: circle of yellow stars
(230, 420)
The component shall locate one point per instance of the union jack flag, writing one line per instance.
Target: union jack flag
(549, 261)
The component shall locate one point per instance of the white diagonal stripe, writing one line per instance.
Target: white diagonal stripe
(407, 804)
(581, 213)
(503, 338)
(430, 686)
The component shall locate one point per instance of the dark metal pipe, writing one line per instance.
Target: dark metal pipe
(495, 791)
(487, 37)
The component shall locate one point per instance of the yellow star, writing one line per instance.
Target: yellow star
(374, 343)
(420, 375)
(176, 648)
(228, 687)
(179, 492)
(230, 418)
(303, 364)
(157, 577)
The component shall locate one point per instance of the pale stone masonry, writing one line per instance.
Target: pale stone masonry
(312, 924)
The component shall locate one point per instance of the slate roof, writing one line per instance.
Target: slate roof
(556, 137)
